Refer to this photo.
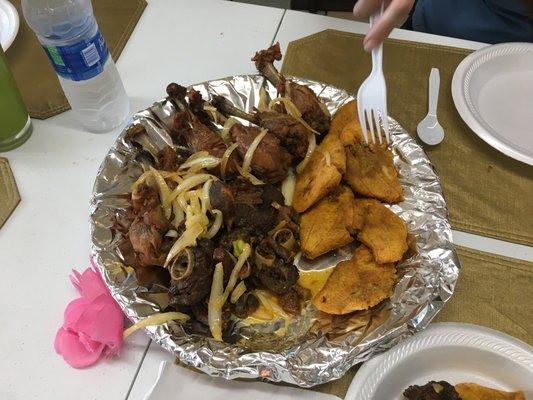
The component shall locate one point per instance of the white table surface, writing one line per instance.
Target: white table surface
(48, 233)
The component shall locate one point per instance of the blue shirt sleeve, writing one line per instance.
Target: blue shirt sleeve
(487, 21)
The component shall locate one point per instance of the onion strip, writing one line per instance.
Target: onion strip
(226, 128)
(225, 159)
(237, 292)
(310, 150)
(292, 110)
(251, 150)
(188, 238)
(248, 175)
(164, 192)
(189, 183)
(208, 162)
(155, 319)
(217, 224)
(246, 252)
(214, 306)
(287, 188)
(206, 200)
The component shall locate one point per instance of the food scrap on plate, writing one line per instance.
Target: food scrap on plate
(442, 390)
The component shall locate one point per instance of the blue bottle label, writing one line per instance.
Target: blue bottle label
(80, 61)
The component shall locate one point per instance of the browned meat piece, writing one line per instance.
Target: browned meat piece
(290, 302)
(441, 390)
(221, 255)
(278, 278)
(177, 94)
(291, 133)
(246, 305)
(193, 288)
(167, 159)
(196, 104)
(221, 198)
(144, 198)
(313, 111)
(146, 241)
(253, 210)
(270, 161)
(156, 217)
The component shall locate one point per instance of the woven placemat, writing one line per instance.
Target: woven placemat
(9, 194)
(492, 291)
(35, 76)
(487, 192)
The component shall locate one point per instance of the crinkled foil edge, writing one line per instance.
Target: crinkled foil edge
(427, 283)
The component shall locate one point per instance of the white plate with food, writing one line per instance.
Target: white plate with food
(463, 355)
(492, 91)
(9, 23)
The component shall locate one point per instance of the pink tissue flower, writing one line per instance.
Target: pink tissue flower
(92, 325)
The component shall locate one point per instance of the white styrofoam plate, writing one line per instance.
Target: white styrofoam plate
(451, 352)
(9, 24)
(492, 90)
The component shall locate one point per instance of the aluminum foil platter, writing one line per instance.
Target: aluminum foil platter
(333, 344)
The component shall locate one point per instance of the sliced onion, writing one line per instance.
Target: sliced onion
(206, 200)
(141, 179)
(264, 99)
(248, 175)
(287, 243)
(262, 260)
(237, 292)
(175, 272)
(178, 214)
(216, 301)
(328, 157)
(199, 163)
(171, 233)
(217, 224)
(225, 159)
(269, 305)
(246, 252)
(188, 238)
(189, 183)
(287, 187)
(225, 129)
(155, 319)
(211, 110)
(292, 110)
(164, 192)
(310, 149)
(251, 150)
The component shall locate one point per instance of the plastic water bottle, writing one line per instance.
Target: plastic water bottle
(72, 41)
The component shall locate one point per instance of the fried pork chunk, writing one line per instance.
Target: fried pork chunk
(356, 284)
(321, 175)
(327, 225)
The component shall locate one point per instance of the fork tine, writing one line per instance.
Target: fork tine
(368, 115)
(385, 120)
(360, 112)
(378, 126)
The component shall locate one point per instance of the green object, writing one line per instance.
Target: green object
(238, 247)
(15, 124)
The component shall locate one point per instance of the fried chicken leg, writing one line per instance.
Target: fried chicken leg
(291, 133)
(313, 111)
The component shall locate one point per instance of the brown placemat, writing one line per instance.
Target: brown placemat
(492, 291)
(487, 192)
(9, 194)
(35, 76)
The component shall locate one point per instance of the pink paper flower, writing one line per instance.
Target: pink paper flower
(92, 324)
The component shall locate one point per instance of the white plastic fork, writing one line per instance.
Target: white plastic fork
(372, 94)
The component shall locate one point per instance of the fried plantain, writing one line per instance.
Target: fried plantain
(473, 391)
(325, 226)
(344, 115)
(370, 169)
(356, 284)
(321, 175)
(383, 232)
